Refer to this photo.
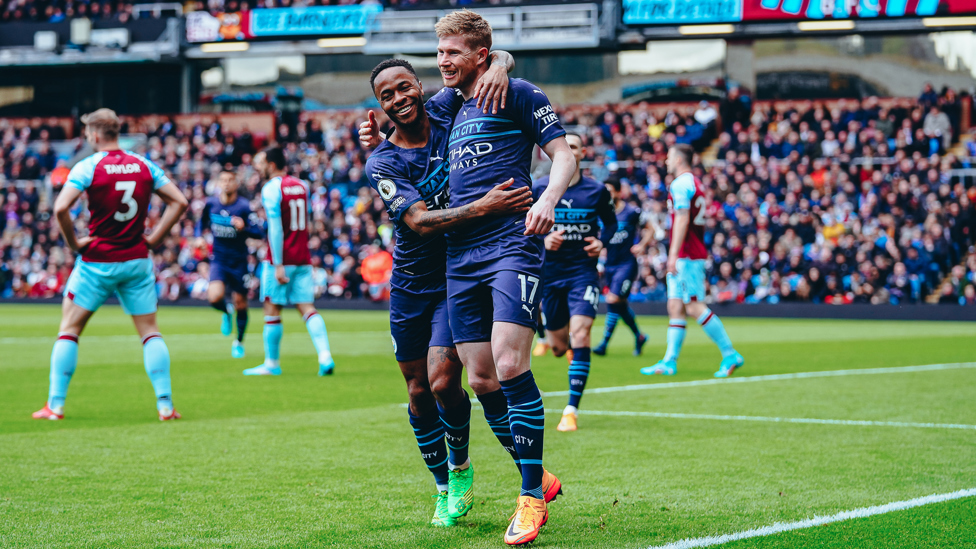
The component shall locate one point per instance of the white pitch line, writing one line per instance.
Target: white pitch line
(781, 527)
(773, 377)
(174, 337)
(772, 419)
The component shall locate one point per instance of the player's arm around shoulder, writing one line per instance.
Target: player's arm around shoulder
(497, 201)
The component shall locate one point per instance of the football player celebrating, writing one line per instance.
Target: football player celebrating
(494, 268)
(410, 173)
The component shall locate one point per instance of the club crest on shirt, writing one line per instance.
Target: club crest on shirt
(387, 188)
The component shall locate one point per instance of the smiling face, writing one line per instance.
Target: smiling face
(400, 94)
(458, 62)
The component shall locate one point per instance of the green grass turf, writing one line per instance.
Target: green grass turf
(302, 461)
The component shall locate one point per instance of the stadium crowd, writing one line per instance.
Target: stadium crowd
(854, 204)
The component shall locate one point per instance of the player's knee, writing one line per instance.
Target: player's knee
(559, 348)
(509, 364)
(612, 298)
(445, 387)
(482, 384)
(419, 393)
(581, 337)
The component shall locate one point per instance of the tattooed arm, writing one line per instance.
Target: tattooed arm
(498, 200)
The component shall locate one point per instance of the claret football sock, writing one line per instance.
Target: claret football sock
(64, 360)
(457, 428)
(272, 340)
(155, 355)
(241, 324)
(715, 330)
(676, 338)
(495, 406)
(430, 438)
(579, 371)
(527, 419)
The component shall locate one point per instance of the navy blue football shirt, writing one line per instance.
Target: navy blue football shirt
(488, 149)
(580, 213)
(628, 230)
(229, 244)
(403, 177)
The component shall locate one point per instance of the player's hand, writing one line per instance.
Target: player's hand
(673, 265)
(554, 240)
(83, 243)
(492, 88)
(636, 250)
(280, 275)
(369, 132)
(541, 218)
(594, 247)
(501, 200)
(237, 222)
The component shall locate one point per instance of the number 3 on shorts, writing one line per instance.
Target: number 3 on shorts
(524, 280)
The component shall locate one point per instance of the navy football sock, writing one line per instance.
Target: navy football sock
(496, 414)
(241, 324)
(220, 306)
(579, 371)
(613, 315)
(430, 438)
(457, 427)
(527, 419)
(627, 315)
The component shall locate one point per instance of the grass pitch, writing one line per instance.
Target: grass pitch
(303, 461)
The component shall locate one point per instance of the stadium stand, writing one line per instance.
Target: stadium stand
(837, 202)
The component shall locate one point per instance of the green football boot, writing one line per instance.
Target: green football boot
(460, 495)
(441, 516)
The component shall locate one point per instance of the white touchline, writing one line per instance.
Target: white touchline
(181, 337)
(771, 419)
(773, 377)
(781, 527)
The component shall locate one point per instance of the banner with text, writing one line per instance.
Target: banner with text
(280, 23)
(686, 12)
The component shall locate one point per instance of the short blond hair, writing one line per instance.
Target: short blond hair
(465, 23)
(104, 122)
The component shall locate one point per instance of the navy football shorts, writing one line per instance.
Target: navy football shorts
(418, 321)
(497, 282)
(620, 278)
(231, 276)
(575, 296)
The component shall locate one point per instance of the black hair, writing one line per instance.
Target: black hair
(389, 64)
(686, 152)
(275, 155)
(614, 182)
(576, 135)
